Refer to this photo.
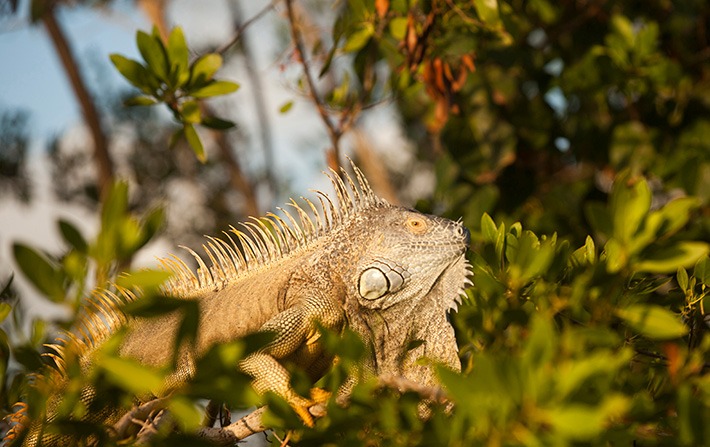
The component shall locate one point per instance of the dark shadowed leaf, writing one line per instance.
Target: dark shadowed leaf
(42, 273)
(72, 236)
(216, 123)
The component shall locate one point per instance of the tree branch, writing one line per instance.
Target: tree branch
(105, 171)
(334, 133)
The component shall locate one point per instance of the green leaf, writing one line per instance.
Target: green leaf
(190, 112)
(42, 273)
(584, 422)
(599, 218)
(215, 88)
(488, 228)
(72, 236)
(178, 57)
(115, 206)
(131, 375)
(5, 309)
(676, 214)
(217, 123)
(398, 27)
(702, 270)
(194, 141)
(682, 277)
(488, 11)
(153, 51)
(286, 107)
(629, 203)
(186, 412)
(133, 71)
(203, 69)
(140, 100)
(359, 38)
(668, 259)
(652, 321)
(145, 279)
(616, 256)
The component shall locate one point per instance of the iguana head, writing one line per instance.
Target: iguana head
(405, 254)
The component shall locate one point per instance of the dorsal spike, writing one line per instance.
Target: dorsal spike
(306, 224)
(329, 212)
(284, 231)
(341, 194)
(241, 259)
(364, 185)
(215, 269)
(357, 199)
(204, 277)
(297, 231)
(249, 250)
(268, 237)
(319, 223)
(258, 246)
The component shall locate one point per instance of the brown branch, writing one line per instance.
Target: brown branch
(252, 423)
(334, 133)
(91, 115)
(140, 413)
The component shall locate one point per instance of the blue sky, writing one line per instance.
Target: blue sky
(33, 78)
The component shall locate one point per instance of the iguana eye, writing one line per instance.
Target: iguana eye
(416, 225)
(373, 284)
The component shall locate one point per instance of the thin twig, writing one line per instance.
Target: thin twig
(333, 132)
(140, 412)
(240, 30)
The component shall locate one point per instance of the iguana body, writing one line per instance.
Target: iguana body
(389, 273)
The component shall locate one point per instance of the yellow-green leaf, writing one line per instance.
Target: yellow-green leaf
(653, 321)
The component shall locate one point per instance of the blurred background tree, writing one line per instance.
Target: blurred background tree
(567, 119)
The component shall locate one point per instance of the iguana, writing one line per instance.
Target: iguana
(389, 273)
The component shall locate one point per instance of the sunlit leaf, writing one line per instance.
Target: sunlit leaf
(286, 107)
(178, 56)
(215, 88)
(359, 38)
(131, 375)
(153, 51)
(133, 71)
(190, 112)
(140, 101)
(668, 259)
(204, 68)
(195, 143)
(145, 279)
(653, 321)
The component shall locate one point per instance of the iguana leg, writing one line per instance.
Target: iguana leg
(294, 328)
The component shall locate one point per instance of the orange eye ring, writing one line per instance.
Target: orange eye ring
(416, 225)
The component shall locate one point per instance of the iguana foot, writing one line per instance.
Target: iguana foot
(301, 405)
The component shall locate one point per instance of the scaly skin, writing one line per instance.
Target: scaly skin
(390, 273)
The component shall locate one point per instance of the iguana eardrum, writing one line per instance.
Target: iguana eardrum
(389, 273)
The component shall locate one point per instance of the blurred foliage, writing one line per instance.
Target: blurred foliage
(572, 137)
(14, 144)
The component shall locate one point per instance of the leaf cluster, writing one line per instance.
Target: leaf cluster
(167, 76)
